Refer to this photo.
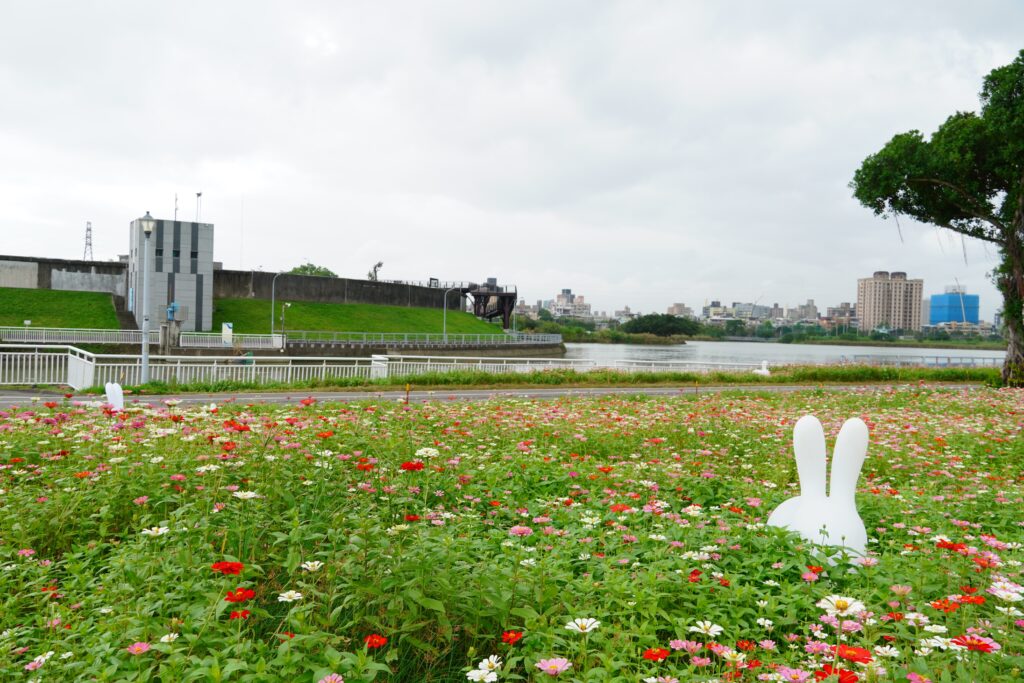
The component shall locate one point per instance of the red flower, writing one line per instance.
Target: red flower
(228, 446)
(620, 507)
(412, 518)
(844, 675)
(50, 404)
(853, 654)
(976, 643)
(226, 568)
(414, 466)
(971, 600)
(945, 605)
(308, 401)
(375, 640)
(656, 654)
(815, 568)
(244, 614)
(511, 637)
(695, 576)
(240, 595)
(745, 645)
(325, 435)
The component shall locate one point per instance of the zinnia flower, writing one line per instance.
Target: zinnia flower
(289, 596)
(707, 628)
(226, 568)
(554, 666)
(976, 643)
(511, 637)
(332, 678)
(585, 625)
(656, 654)
(837, 605)
(240, 595)
(138, 648)
(375, 640)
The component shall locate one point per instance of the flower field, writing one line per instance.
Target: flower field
(613, 539)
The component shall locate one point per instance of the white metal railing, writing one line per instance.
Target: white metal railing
(213, 340)
(419, 338)
(33, 364)
(71, 335)
(930, 361)
(62, 364)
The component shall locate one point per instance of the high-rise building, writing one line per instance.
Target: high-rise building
(955, 306)
(680, 310)
(889, 300)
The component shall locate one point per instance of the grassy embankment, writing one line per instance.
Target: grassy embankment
(252, 316)
(793, 375)
(54, 308)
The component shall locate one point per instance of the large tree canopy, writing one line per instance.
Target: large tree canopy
(967, 177)
(662, 325)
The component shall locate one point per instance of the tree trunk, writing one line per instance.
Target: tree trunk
(1010, 279)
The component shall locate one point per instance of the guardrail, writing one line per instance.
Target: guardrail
(68, 365)
(930, 361)
(419, 338)
(212, 340)
(73, 335)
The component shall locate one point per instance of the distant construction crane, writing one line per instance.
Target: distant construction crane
(87, 254)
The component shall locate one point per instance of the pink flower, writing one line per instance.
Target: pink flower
(332, 678)
(520, 531)
(554, 666)
(26, 552)
(141, 500)
(793, 675)
(918, 678)
(809, 577)
(138, 648)
(675, 644)
(700, 661)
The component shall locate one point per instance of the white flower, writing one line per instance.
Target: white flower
(886, 651)
(155, 531)
(482, 675)
(707, 628)
(585, 625)
(245, 495)
(289, 596)
(312, 565)
(492, 663)
(765, 623)
(528, 562)
(935, 628)
(169, 638)
(837, 605)
(157, 460)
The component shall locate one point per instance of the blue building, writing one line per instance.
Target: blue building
(953, 307)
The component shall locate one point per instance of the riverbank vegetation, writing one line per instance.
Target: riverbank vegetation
(556, 377)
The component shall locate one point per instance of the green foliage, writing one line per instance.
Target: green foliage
(662, 325)
(55, 308)
(968, 177)
(312, 269)
(253, 316)
(644, 513)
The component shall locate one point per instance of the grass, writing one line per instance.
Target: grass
(391, 543)
(55, 308)
(792, 375)
(252, 316)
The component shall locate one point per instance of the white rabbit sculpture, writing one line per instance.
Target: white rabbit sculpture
(115, 395)
(830, 519)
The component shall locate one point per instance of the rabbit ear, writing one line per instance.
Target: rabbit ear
(809, 448)
(848, 458)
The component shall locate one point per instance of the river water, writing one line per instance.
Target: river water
(755, 352)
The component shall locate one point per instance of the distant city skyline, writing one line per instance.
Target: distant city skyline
(642, 154)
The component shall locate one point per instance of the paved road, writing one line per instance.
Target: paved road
(22, 397)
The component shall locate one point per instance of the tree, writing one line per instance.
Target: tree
(661, 324)
(968, 178)
(372, 275)
(311, 269)
(545, 314)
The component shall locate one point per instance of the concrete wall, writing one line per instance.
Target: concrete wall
(244, 284)
(78, 276)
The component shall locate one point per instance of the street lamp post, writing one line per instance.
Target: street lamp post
(273, 284)
(148, 223)
(444, 316)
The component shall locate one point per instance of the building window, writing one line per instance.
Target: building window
(195, 254)
(176, 253)
(159, 253)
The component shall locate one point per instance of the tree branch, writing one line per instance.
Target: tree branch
(984, 216)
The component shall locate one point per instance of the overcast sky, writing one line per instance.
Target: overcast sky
(640, 153)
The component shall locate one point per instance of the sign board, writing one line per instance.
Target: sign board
(227, 332)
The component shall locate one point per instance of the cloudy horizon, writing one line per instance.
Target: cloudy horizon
(640, 154)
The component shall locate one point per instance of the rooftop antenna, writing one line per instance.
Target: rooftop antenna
(199, 205)
(175, 206)
(87, 254)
